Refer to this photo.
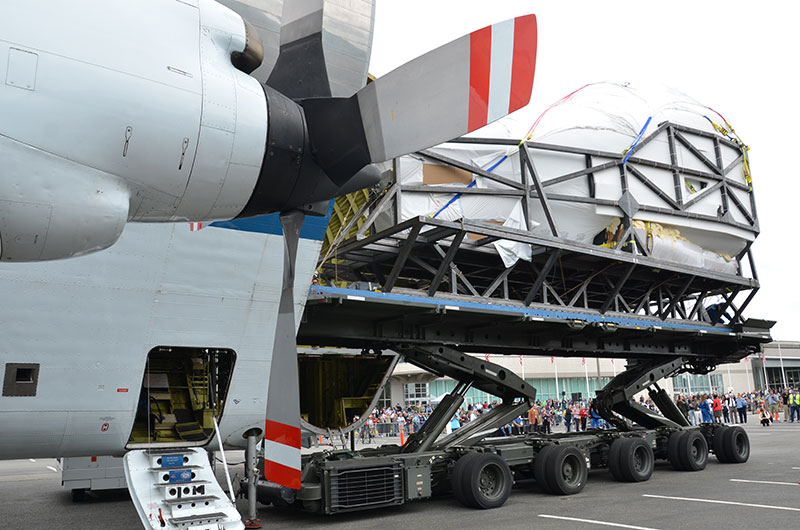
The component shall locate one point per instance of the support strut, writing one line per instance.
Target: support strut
(517, 396)
(617, 396)
(251, 477)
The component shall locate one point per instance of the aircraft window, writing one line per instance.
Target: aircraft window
(24, 375)
(21, 379)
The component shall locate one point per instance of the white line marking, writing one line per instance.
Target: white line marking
(724, 502)
(766, 482)
(602, 523)
(31, 460)
(51, 468)
(796, 468)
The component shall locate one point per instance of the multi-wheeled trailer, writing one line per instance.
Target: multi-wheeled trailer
(480, 468)
(494, 246)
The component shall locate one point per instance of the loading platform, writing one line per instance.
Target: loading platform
(373, 320)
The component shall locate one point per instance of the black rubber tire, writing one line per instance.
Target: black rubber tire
(718, 443)
(693, 451)
(614, 459)
(539, 465)
(673, 453)
(486, 481)
(636, 460)
(566, 470)
(78, 495)
(456, 480)
(737, 445)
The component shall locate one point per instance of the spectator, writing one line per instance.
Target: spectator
(705, 409)
(716, 406)
(741, 407)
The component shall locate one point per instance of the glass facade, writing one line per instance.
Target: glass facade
(775, 377)
(568, 387)
(416, 393)
(691, 384)
(385, 399)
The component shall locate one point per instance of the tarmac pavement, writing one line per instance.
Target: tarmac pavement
(762, 493)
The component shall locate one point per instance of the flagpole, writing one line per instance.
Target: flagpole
(597, 359)
(730, 380)
(747, 369)
(586, 374)
(555, 367)
(783, 372)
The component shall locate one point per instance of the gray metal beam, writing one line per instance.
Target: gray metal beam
(537, 284)
(472, 169)
(499, 279)
(400, 261)
(540, 191)
(678, 297)
(448, 258)
(456, 271)
(615, 291)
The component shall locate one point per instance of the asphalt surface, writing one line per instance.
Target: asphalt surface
(762, 493)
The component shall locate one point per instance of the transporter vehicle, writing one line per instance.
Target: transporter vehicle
(633, 248)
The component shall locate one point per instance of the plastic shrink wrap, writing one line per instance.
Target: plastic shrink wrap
(689, 220)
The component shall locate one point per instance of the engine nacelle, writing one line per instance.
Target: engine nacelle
(52, 208)
(157, 126)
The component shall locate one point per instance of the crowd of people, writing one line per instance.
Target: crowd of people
(769, 405)
(578, 415)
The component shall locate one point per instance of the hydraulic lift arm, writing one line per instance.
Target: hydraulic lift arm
(617, 396)
(517, 396)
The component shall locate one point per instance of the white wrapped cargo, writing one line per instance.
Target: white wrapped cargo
(687, 193)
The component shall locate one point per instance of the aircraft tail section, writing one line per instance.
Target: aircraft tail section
(174, 489)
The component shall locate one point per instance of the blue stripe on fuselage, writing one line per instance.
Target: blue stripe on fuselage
(314, 227)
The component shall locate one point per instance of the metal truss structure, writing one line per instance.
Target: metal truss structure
(436, 256)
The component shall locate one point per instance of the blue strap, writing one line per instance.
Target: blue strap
(471, 184)
(636, 142)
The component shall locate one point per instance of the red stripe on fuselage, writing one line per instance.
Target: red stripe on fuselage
(282, 434)
(280, 474)
(480, 62)
(524, 65)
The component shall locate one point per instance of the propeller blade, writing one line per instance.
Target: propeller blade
(324, 48)
(441, 95)
(282, 439)
(300, 70)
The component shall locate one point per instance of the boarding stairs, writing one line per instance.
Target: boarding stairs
(177, 489)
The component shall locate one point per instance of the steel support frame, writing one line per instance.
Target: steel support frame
(412, 241)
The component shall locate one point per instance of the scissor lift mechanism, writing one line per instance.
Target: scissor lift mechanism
(434, 291)
(480, 467)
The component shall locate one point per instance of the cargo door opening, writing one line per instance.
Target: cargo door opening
(182, 391)
(336, 388)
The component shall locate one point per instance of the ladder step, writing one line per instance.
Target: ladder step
(189, 500)
(189, 482)
(210, 517)
(178, 468)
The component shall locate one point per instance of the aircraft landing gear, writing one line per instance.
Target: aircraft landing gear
(251, 477)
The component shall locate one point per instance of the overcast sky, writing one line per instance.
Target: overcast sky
(737, 57)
